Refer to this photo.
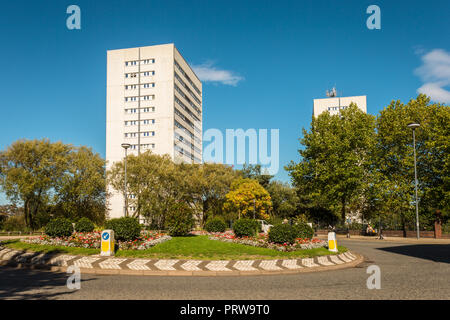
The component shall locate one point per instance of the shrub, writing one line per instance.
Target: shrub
(180, 221)
(446, 227)
(14, 223)
(282, 233)
(59, 227)
(275, 220)
(303, 230)
(42, 218)
(84, 225)
(2, 219)
(215, 224)
(125, 228)
(245, 227)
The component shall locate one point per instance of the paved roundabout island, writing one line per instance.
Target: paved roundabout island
(164, 267)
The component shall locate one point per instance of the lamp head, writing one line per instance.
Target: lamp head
(125, 145)
(413, 125)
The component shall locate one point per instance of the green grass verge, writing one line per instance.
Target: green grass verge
(18, 245)
(193, 247)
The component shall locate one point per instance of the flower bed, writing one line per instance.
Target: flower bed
(262, 241)
(92, 240)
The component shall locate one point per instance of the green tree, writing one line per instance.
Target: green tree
(155, 182)
(284, 199)
(257, 173)
(210, 183)
(395, 159)
(336, 159)
(29, 171)
(81, 190)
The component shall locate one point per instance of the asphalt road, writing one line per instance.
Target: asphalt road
(408, 271)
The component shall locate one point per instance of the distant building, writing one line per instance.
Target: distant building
(334, 104)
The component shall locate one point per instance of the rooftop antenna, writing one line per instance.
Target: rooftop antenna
(332, 93)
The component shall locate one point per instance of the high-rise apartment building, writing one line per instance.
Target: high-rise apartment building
(154, 102)
(335, 104)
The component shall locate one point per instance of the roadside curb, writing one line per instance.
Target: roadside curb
(166, 267)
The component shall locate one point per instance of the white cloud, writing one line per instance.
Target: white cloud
(436, 92)
(435, 73)
(208, 73)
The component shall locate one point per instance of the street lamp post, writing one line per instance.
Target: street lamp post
(125, 209)
(413, 126)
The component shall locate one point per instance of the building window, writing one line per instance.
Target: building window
(148, 61)
(130, 134)
(148, 133)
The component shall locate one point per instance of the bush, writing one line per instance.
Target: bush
(180, 221)
(446, 227)
(303, 231)
(215, 224)
(245, 227)
(125, 228)
(14, 223)
(2, 219)
(274, 220)
(84, 225)
(42, 218)
(282, 233)
(59, 227)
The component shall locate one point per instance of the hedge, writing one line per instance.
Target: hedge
(304, 231)
(245, 227)
(125, 228)
(282, 233)
(84, 225)
(215, 224)
(59, 227)
(180, 220)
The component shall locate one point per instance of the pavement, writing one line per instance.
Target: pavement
(393, 239)
(408, 271)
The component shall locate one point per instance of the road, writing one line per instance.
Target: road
(408, 271)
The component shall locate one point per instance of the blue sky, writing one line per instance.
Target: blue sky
(275, 57)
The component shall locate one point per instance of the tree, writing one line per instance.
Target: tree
(336, 159)
(11, 210)
(246, 197)
(81, 191)
(211, 183)
(29, 170)
(395, 159)
(284, 199)
(255, 172)
(154, 184)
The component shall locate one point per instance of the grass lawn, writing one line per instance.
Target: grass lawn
(192, 247)
(18, 245)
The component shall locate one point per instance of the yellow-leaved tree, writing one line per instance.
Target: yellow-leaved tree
(249, 199)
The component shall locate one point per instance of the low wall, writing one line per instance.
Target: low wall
(391, 233)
